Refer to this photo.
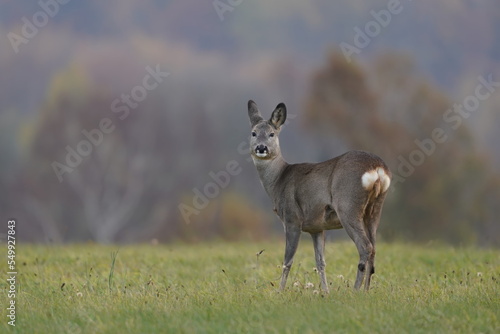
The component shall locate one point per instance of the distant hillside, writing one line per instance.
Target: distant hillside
(447, 38)
(451, 42)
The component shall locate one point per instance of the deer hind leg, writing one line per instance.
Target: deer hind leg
(354, 226)
(369, 267)
(372, 220)
(319, 252)
(292, 242)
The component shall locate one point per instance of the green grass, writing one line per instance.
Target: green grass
(225, 288)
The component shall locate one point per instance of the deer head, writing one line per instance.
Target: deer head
(264, 142)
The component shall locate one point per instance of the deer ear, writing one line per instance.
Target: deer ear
(254, 113)
(278, 116)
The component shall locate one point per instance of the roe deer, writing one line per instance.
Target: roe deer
(344, 192)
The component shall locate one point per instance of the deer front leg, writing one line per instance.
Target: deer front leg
(319, 252)
(292, 242)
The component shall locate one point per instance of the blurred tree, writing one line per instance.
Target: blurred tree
(386, 110)
(112, 180)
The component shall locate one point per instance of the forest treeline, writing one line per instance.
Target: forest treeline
(163, 163)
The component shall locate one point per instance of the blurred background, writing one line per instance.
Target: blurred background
(120, 120)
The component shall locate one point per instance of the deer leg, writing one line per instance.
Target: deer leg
(366, 255)
(292, 242)
(371, 225)
(356, 231)
(319, 253)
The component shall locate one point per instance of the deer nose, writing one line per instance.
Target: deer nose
(261, 149)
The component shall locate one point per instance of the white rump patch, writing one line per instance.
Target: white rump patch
(369, 178)
(385, 180)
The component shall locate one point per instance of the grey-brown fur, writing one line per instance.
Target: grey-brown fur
(314, 197)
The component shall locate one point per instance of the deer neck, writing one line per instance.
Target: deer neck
(270, 172)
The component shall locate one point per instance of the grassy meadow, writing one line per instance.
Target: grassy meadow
(222, 287)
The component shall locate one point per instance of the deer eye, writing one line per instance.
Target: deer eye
(271, 134)
(254, 134)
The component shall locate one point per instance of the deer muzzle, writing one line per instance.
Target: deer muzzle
(261, 151)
